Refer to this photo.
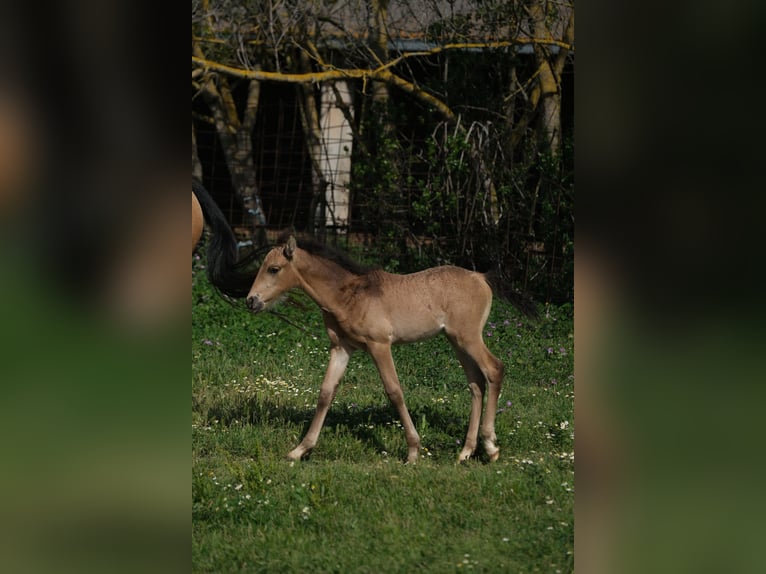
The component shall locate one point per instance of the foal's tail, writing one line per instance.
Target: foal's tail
(224, 271)
(502, 288)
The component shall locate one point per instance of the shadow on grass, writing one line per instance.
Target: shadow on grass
(445, 430)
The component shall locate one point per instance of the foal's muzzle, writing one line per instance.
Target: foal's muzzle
(255, 303)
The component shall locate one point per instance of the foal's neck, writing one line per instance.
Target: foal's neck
(322, 280)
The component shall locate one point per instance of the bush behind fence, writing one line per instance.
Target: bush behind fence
(424, 192)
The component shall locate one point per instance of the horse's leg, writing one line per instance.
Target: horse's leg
(476, 384)
(494, 370)
(381, 355)
(480, 366)
(339, 357)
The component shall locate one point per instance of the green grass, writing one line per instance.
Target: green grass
(354, 506)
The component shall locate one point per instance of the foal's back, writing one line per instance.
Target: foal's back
(420, 305)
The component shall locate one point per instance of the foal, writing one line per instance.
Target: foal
(371, 310)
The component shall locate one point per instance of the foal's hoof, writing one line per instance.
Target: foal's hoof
(493, 456)
(464, 455)
(297, 454)
(412, 457)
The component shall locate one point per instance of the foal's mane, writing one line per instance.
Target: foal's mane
(325, 252)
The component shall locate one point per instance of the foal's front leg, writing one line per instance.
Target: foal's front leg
(339, 357)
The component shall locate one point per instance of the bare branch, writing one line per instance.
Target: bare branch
(383, 75)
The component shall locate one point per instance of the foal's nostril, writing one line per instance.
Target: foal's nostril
(251, 302)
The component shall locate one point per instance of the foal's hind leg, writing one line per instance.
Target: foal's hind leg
(494, 370)
(476, 385)
(482, 369)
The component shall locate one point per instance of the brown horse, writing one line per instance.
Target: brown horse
(198, 221)
(225, 272)
(371, 310)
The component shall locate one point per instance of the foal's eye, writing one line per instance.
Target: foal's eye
(273, 270)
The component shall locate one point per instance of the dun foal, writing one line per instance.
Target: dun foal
(371, 310)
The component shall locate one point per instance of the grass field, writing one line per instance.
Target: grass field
(354, 506)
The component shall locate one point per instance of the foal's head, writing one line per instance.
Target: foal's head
(275, 276)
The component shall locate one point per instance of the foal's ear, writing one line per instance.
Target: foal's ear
(289, 247)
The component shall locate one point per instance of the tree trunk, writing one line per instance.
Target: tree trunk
(378, 41)
(196, 163)
(235, 135)
(337, 143)
(549, 76)
(542, 98)
(312, 133)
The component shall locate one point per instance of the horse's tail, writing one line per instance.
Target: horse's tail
(501, 287)
(224, 271)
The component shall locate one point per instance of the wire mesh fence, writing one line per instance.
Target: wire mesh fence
(411, 188)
